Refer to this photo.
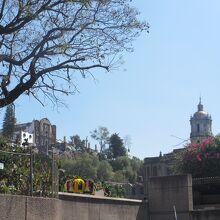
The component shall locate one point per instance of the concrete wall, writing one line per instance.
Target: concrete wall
(72, 207)
(167, 192)
(164, 193)
(205, 215)
(94, 208)
(12, 207)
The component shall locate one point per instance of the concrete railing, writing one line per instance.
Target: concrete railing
(71, 206)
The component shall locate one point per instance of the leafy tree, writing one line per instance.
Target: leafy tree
(104, 171)
(116, 147)
(201, 160)
(129, 168)
(44, 44)
(137, 166)
(102, 136)
(120, 163)
(9, 122)
(85, 166)
(119, 177)
(78, 143)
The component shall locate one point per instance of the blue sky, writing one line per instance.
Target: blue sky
(152, 95)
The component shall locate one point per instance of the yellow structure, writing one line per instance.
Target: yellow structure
(78, 185)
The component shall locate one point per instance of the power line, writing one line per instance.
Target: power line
(183, 140)
(178, 137)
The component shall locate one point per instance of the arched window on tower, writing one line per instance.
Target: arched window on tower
(198, 128)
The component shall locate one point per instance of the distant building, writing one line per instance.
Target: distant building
(43, 131)
(201, 125)
(159, 166)
(201, 128)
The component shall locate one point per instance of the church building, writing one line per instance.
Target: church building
(44, 133)
(201, 128)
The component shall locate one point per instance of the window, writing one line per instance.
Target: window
(198, 128)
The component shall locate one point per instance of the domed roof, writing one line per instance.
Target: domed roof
(201, 113)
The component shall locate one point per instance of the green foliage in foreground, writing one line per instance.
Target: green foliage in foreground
(14, 178)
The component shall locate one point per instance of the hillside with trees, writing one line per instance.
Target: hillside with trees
(111, 163)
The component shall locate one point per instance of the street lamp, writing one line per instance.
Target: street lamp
(31, 165)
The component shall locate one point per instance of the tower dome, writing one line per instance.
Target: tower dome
(201, 125)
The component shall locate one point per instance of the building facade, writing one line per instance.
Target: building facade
(43, 131)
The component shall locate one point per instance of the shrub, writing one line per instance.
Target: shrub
(200, 160)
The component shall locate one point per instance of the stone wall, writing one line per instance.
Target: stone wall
(72, 207)
(167, 192)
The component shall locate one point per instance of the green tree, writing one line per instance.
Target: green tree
(9, 122)
(129, 168)
(104, 171)
(78, 143)
(116, 147)
(119, 177)
(102, 136)
(71, 37)
(120, 163)
(137, 166)
(85, 166)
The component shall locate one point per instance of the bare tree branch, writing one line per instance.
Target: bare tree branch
(45, 43)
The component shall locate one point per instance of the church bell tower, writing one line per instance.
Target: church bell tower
(201, 125)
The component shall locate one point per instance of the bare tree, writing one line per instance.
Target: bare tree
(43, 43)
(102, 136)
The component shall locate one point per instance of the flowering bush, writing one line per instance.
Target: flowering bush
(201, 160)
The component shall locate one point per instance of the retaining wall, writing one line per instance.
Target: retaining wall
(72, 207)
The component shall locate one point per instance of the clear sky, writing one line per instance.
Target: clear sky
(152, 95)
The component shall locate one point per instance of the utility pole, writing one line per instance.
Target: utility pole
(31, 165)
(53, 176)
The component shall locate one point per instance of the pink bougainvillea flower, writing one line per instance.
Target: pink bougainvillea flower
(207, 141)
(198, 157)
(193, 145)
(206, 155)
